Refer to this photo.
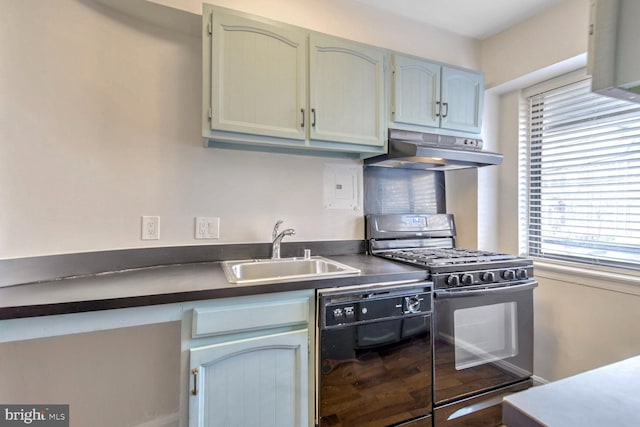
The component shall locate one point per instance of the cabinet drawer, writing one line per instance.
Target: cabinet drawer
(247, 317)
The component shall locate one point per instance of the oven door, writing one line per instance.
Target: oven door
(483, 339)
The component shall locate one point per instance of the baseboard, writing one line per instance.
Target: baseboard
(170, 420)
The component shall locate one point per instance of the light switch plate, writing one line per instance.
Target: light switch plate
(207, 227)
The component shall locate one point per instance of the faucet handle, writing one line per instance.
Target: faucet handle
(275, 229)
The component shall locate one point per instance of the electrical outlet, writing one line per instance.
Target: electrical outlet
(150, 228)
(207, 227)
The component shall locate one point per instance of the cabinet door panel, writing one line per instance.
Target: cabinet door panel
(346, 91)
(259, 381)
(462, 97)
(258, 77)
(416, 90)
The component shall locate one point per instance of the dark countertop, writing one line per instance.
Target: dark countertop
(607, 396)
(172, 284)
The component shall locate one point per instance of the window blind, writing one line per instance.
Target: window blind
(583, 177)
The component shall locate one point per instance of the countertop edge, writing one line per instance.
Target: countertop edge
(44, 268)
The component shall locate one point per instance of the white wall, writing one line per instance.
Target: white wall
(118, 377)
(547, 38)
(582, 321)
(581, 324)
(352, 20)
(100, 124)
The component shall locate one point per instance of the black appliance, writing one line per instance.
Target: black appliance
(483, 315)
(374, 356)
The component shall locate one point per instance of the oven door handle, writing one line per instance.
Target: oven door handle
(457, 293)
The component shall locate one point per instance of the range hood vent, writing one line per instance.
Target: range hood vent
(612, 59)
(416, 150)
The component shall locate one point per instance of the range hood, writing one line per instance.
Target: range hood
(613, 61)
(427, 151)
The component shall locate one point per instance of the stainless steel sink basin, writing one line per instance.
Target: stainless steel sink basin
(283, 269)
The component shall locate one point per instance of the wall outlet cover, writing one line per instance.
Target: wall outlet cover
(150, 228)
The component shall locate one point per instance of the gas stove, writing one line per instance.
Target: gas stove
(427, 241)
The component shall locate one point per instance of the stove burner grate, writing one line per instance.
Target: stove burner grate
(446, 256)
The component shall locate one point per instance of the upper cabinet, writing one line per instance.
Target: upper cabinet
(258, 78)
(277, 86)
(415, 92)
(462, 98)
(346, 91)
(426, 94)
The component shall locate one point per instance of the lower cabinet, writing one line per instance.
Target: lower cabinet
(260, 381)
(250, 362)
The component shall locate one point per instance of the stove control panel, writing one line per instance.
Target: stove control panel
(481, 277)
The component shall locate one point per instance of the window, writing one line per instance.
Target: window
(582, 188)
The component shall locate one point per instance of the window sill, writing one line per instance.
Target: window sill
(615, 280)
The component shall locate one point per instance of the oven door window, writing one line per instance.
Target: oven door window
(485, 334)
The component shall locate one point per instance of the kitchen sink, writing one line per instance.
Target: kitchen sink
(283, 269)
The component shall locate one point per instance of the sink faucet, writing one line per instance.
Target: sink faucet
(277, 238)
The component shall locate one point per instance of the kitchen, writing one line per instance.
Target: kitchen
(139, 150)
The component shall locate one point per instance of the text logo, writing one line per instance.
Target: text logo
(34, 415)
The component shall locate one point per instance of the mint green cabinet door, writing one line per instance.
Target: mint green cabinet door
(462, 99)
(346, 91)
(260, 381)
(415, 91)
(258, 76)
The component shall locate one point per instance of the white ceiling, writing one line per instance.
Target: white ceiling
(472, 18)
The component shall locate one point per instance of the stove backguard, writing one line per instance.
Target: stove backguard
(406, 191)
(402, 231)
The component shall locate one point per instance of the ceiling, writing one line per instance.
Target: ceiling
(472, 18)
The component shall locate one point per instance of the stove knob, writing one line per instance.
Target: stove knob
(338, 314)
(509, 275)
(453, 280)
(522, 274)
(467, 279)
(488, 276)
(412, 304)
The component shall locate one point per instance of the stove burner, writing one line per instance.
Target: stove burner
(445, 256)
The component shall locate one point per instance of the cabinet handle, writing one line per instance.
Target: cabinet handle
(438, 108)
(446, 109)
(194, 391)
(313, 122)
(302, 123)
